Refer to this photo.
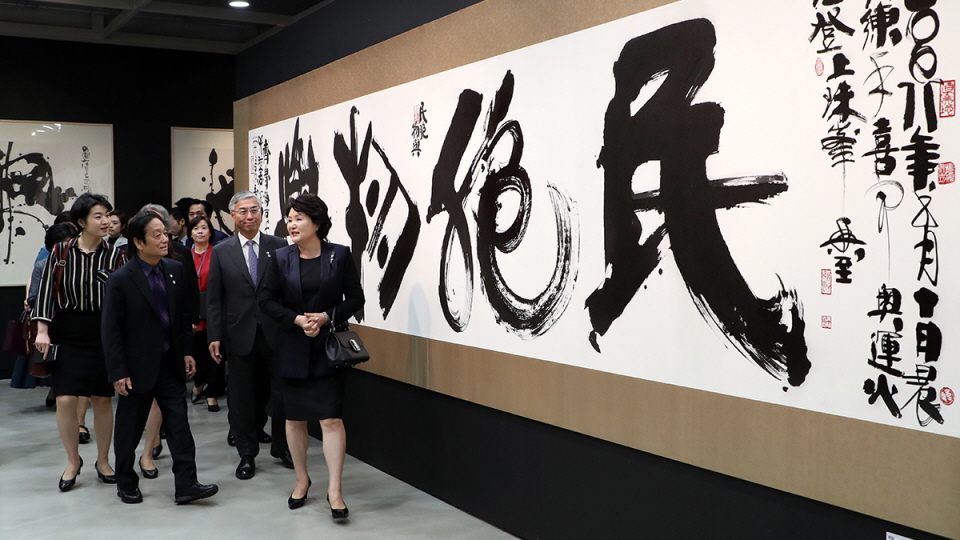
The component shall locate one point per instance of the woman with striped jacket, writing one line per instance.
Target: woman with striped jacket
(68, 311)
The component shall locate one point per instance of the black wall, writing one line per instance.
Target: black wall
(339, 29)
(142, 92)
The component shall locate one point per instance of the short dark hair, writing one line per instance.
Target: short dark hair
(121, 215)
(84, 204)
(196, 221)
(137, 229)
(58, 232)
(184, 202)
(313, 207)
(207, 206)
(63, 217)
(178, 213)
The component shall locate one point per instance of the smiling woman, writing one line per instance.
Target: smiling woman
(68, 313)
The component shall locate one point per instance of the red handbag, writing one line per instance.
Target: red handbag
(20, 335)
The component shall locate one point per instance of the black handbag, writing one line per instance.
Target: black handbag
(343, 346)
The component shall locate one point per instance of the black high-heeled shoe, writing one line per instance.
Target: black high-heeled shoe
(107, 479)
(338, 513)
(67, 485)
(149, 474)
(294, 503)
(156, 451)
(84, 435)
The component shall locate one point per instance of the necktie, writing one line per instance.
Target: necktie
(160, 297)
(252, 260)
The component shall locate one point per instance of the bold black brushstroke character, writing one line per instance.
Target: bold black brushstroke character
(220, 199)
(841, 240)
(353, 162)
(828, 26)
(929, 248)
(883, 162)
(888, 303)
(881, 389)
(524, 317)
(882, 73)
(260, 172)
(298, 173)
(29, 176)
(879, 22)
(680, 135)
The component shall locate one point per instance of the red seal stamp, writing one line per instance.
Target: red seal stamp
(826, 281)
(946, 396)
(826, 321)
(948, 99)
(818, 67)
(946, 173)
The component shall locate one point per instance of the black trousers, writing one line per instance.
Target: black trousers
(132, 412)
(252, 383)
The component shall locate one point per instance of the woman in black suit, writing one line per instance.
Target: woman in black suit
(309, 284)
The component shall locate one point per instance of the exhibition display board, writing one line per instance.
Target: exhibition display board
(714, 231)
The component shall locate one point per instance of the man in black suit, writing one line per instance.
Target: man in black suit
(237, 329)
(147, 337)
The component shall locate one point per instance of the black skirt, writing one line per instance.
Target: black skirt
(314, 398)
(80, 369)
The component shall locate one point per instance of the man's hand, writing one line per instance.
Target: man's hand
(214, 348)
(122, 386)
(191, 365)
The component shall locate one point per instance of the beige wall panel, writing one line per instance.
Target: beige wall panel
(902, 475)
(897, 474)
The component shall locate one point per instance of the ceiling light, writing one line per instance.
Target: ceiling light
(239, 4)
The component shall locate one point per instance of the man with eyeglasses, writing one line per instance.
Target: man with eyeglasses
(245, 337)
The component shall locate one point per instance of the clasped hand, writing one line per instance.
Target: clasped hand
(311, 323)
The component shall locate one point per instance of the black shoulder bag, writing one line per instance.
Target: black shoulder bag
(343, 346)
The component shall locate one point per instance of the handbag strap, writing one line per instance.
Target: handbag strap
(59, 263)
(333, 322)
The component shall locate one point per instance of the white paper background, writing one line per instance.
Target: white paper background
(764, 79)
(62, 146)
(191, 163)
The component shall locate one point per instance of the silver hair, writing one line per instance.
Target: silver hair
(241, 195)
(159, 210)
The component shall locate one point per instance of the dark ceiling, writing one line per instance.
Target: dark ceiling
(192, 25)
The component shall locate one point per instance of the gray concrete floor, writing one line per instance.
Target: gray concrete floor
(32, 459)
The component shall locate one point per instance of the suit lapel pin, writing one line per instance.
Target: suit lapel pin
(173, 280)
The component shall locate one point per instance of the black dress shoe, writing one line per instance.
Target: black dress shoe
(132, 496)
(107, 479)
(196, 398)
(213, 407)
(230, 440)
(247, 468)
(264, 438)
(149, 474)
(84, 435)
(338, 513)
(285, 458)
(156, 451)
(195, 492)
(294, 503)
(67, 485)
